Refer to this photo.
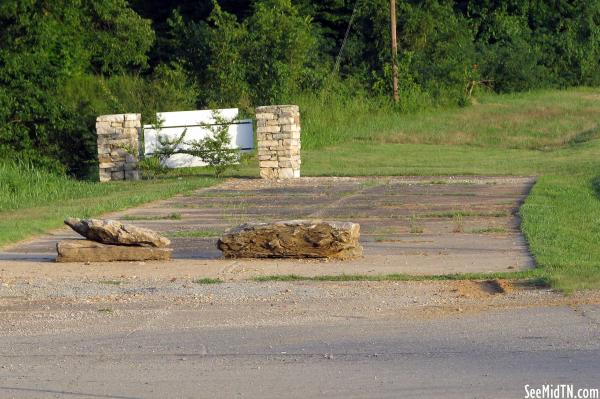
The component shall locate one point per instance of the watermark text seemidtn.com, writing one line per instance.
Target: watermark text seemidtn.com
(560, 391)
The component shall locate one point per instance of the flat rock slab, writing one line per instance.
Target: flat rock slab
(292, 239)
(113, 232)
(92, 251)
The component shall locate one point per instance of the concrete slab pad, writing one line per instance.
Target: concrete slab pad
(414, 225)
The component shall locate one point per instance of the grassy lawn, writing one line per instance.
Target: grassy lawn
(32, 202)
(537, 120)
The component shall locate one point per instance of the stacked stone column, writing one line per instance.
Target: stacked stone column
(278, 138)
(118, 137)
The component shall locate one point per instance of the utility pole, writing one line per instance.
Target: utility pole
(394, 49)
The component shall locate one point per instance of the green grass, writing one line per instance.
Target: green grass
(208, 281)
(111, 282)
(415, 226)
(427, 160)
(561, 220)
(195, 234)
(460, 214)
(516, 121)
(33, 201)
(489, 230)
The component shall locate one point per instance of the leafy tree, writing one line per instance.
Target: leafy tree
(276, 53)
(43, 45)
(117, 37)
(226, 72)
(442, 54)
(255, 60)
(526, 44)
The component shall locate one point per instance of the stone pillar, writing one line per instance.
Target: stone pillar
(118, 137)
(278, 137)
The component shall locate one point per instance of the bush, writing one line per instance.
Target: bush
(152, 167)
(214, 150)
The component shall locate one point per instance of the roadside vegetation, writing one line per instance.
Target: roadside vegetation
(62, 65)
(537, 120)
(208, 281)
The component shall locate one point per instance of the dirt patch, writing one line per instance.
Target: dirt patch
(482, 289)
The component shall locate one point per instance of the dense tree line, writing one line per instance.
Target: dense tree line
(62, 62)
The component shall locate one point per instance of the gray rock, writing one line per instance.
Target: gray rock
(92, 251)
(116, 233)
(292, 239)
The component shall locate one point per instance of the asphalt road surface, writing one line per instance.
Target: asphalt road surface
(300, 347)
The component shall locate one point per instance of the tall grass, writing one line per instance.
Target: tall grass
(23, 186)
(331, 119)
(539, 120)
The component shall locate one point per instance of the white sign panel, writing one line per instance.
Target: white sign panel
(198, 125)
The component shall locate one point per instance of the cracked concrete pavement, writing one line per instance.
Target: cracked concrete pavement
(408, 225)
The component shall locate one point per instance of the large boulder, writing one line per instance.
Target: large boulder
(116, 233)
(92, 251)
(292, 239)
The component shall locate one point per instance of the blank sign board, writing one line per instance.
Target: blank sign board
(198, 124)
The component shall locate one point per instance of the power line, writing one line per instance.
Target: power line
(394, 50)
(338, 59)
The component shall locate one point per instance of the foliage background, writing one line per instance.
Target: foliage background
(63, 62)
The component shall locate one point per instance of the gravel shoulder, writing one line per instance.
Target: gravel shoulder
(35, 306)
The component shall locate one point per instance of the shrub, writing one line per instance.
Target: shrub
(215, 149)
(151, 167)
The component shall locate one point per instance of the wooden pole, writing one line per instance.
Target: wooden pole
(394, 49)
